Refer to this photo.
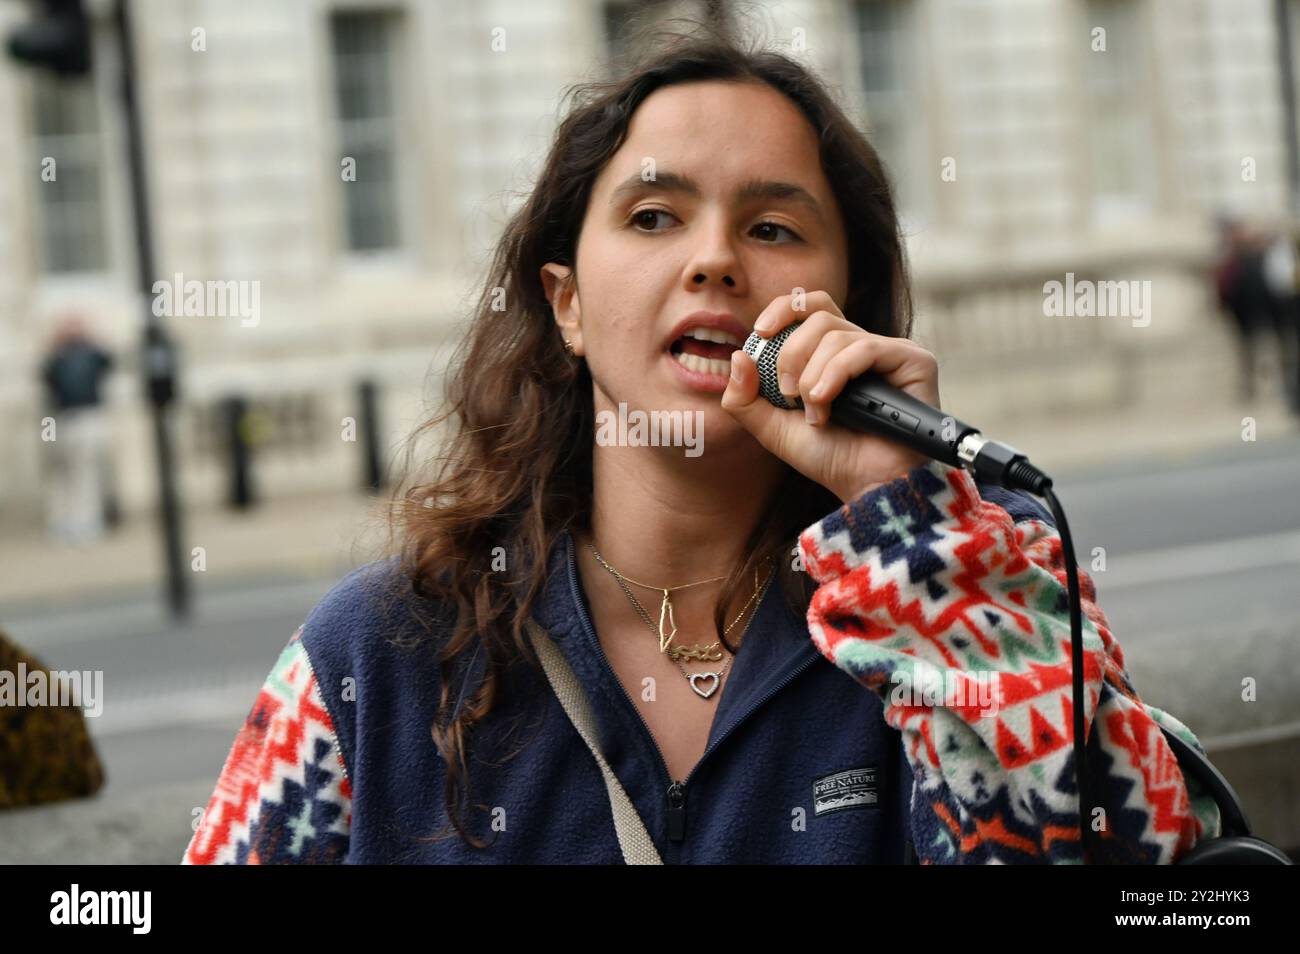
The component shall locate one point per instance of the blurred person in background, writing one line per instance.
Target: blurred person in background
(1280, 281)
(78, 459)
(1255, 280)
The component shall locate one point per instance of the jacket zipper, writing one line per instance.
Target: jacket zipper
(676, 791)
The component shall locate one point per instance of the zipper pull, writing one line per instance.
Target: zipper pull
(676, 812)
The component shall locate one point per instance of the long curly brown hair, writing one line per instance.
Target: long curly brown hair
(516, 467)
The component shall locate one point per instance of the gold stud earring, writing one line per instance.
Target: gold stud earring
(568, 346)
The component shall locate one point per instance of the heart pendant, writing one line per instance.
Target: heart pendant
(705, 693)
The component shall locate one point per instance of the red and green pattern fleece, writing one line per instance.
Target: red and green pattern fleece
(925, 583)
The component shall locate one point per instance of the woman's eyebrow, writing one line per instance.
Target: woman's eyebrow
(753, 189)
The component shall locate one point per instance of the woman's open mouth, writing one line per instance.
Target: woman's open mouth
(703, 356)
(701, 359)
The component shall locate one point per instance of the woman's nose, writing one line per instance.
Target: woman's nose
(715, 258)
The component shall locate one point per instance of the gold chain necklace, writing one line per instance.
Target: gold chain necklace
(676, 654)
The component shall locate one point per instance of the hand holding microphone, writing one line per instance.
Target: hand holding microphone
(816, 360)
(883, 394)
(882, 391)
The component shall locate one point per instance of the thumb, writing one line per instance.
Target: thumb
(742, 401)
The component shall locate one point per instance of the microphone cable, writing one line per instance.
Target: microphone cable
(1004, 465)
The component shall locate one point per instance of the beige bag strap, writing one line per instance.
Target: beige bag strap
(638, 848)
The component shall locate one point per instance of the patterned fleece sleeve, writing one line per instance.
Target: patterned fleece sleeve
(284, 796)
(957, 615)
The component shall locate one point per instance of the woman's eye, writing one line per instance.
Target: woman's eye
(639, 218)
(777, 225)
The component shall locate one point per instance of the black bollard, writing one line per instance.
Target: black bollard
(369, 422)
(239, 456)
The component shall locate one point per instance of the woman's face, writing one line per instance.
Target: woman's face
(671, 229)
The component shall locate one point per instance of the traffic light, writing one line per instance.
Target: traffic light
(57, 38)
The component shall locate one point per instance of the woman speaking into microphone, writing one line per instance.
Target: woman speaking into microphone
(802, 644)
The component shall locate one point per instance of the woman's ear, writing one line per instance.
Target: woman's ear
(562, 293)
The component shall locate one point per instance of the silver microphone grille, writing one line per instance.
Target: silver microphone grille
(764, 352)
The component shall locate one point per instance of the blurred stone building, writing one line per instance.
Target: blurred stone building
(1028, 139)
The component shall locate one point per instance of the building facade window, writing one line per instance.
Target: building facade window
(1117, 109)
(67, 156)
(363, 46)
(892, 94)
(621, 21)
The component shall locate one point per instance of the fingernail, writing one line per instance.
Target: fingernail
(763, 324)
(735, 368)
(810, 413)
(788, 384)
(816, 392)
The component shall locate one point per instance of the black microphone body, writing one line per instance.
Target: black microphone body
(869, 404)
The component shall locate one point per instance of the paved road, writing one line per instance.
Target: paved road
(1201, 586)
(175, 697)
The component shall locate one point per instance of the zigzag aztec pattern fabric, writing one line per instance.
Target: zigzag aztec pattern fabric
(924, 581)
(283, 794)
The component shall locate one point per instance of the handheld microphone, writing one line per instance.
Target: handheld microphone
(869, 404)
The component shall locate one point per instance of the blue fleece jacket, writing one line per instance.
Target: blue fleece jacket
(813, 755)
